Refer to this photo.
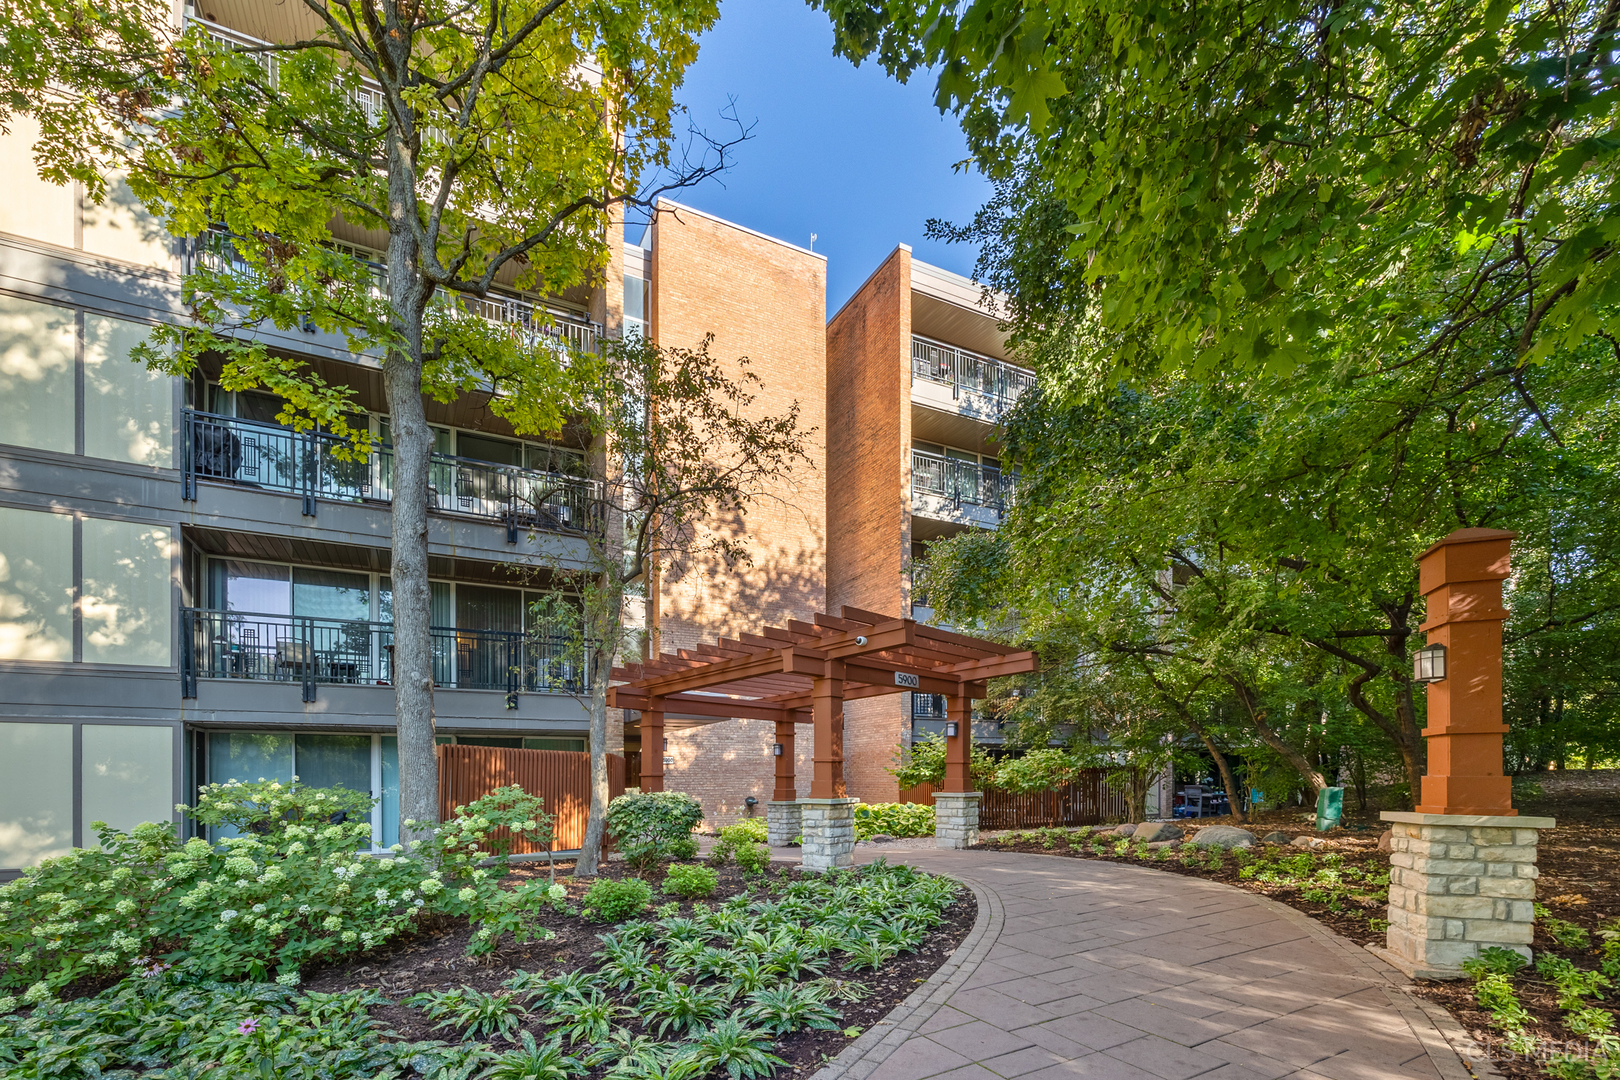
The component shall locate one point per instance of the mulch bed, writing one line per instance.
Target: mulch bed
(435, 958)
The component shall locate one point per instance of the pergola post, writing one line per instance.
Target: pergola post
(652, 746)
(956, 805)
(828, 817)
(782, 814)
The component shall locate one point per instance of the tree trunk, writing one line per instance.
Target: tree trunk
(1257, 717)
(1234, 797)
(601, 669)
(413, 447)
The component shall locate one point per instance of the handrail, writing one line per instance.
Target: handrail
(316, 465)
(960, 481)
(312, 650)
(216, 250)
(967, 371)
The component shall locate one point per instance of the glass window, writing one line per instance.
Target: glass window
(36, 793)
(488, 448)
(961, 455)
(331, 594)
(128, 776)
(390, 790)
(576, 745)
(127, 595)
(261, 588)
(441, 602)
(249, 756)
(37, 346)
(927, 447)
(335, 761)
(33, 206)
(482, 608)
(253, 405)
(482, 740)
(36, 585)
(127, 409)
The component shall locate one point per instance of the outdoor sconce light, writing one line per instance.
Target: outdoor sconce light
(1429, 664)
(776, 749)
(950, 729)
(666, 744)
(750, 802)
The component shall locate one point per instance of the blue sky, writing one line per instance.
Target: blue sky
(848, 154)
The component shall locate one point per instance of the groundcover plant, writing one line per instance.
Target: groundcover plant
(665, 998)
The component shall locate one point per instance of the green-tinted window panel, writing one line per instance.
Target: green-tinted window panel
(128, 597)
(128, 410)
(390, 790)
(36, 585)
(128, 776)
(480, 740)
(334, 761)
(36, 793)
(38, 343)
(575, 745)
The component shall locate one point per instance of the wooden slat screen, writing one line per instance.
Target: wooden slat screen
(561, 777)
(1087, 801)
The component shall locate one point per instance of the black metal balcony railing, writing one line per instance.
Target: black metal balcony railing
(314, 465)
(966, 372)
(345, 652)
(928, 706)
(960, 481)
(216, 250)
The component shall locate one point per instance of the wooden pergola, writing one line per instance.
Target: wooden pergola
(802, 674)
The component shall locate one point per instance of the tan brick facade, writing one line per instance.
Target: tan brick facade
(765, 300)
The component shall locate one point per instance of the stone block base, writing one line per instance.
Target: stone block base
(1459, 884)
(956, 819)
(829, 833)
(782, 823)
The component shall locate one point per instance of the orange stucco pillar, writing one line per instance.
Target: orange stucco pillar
(959, 747)
(1461, 578)
(652, 747)
(785, 790)
(827, 710)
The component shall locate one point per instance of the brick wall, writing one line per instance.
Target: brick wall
(765, 300)
(869, 486)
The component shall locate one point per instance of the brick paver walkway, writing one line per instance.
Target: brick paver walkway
(1095, 969)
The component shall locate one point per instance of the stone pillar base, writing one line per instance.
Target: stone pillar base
(783, 822)
(956, 819)
(829, 833)
(1458, 884)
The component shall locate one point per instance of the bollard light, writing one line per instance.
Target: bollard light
(1429, 664)
(950, 729)
(776, 750)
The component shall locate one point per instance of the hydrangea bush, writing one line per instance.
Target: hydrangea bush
(653, 825)
(300, 886)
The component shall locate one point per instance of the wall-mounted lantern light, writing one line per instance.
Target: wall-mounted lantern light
(666, 744)
(776, 749)
(1429, 664)
(950, 729)
(750, 802)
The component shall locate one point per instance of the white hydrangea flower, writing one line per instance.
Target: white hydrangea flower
(332, 923)
(38, 994)
(431, 886)
(303, 909)
(8, 1004)
(381, 895)
(291, 978)
(125, 907)
(467, 895)
(258, 909)
(228, 914)
(350, 936)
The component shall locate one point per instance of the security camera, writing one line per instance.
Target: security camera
(860, 641)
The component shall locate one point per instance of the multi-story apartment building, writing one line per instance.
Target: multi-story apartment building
(192, 592)
(917, 377)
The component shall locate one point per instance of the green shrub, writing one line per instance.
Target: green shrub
(616, 901)
(1494, 961)
(691, 882)
(1495, 995)
(749, 828)
(297, 888)
(753, 858)
(646, 825)
(735, 838)
(1565, 933)
(684, 848)
(893, 819)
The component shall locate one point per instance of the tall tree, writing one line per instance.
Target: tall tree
(680, 446)
(490, 142)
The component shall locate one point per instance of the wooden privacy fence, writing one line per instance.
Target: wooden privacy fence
(1087, 801)
(560, 777)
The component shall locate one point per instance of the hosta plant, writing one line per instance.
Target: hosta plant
(470, 1011)
(730, 1045)
(679, 1009)
(535, 1061)
(586, 1019)
(787, 1008)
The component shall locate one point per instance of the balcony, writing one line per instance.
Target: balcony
(527, 321)
(956, 380)
(341, 652)
(313, 466)
(963, 492)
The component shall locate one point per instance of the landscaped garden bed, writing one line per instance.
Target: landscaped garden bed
(286, 953)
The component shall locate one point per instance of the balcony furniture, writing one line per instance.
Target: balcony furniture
(1192, 796)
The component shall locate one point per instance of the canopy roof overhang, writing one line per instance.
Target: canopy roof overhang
(771, 675)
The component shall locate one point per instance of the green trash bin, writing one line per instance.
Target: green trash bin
(1329, 808)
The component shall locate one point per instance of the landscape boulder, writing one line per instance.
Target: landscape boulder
(1311, 842)
(1223, 836)
(1154, 831)
(1126, 829)
(881, 838)
(1275, 837)
(1157, 844)
(1386, 841)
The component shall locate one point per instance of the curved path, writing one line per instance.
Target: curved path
(1082, 969)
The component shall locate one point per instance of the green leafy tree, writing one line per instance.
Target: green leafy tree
(679, 446)
(488, 143)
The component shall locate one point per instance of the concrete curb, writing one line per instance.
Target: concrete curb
(861, 1057)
